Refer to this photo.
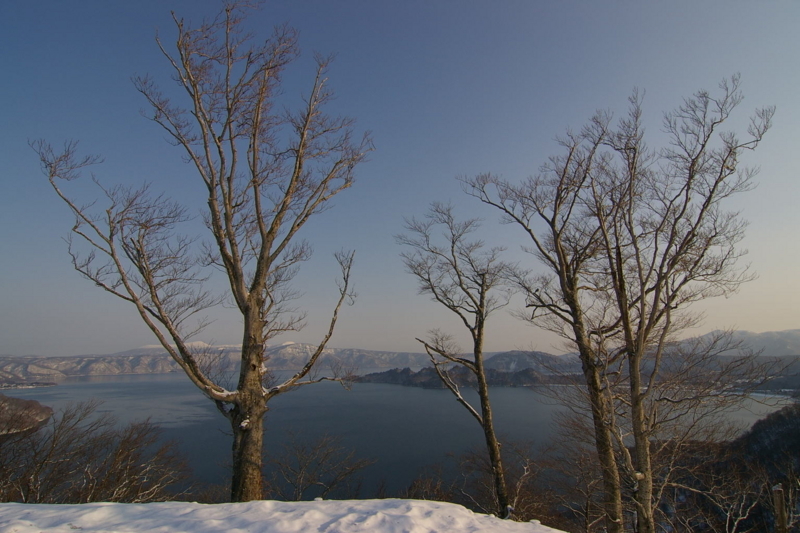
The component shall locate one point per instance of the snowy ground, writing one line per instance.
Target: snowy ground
(349, 516)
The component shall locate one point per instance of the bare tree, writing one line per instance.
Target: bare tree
(566, 245)
(630, 238)
(79, 457)
(265, 173)
(432, 484)
(467, 280)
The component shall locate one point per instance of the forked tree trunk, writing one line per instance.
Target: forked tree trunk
(602, 410)
(612, 488)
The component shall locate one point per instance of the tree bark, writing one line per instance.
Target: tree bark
(246, 481)
(247, 420)
(492, 445)
(602, 410)
(612, 488)
(645, 519)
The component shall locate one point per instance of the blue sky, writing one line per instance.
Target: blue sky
(447, 88)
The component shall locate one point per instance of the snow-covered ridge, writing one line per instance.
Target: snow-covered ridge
(152, 359)
(194, 345)
(155, 360)
(347, 516)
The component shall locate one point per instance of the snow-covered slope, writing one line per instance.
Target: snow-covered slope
(349, 516)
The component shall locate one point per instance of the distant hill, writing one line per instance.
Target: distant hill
(155, 360)
(506, 369)
(772, 343)
(769, 343)
(428, 379)
(541, 362)
(775, 437)
(292, 356)
(31, 368)
(18, 415)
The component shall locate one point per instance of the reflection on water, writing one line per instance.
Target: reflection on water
(403, 428)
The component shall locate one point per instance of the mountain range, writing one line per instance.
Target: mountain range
(155, 360)
(291, 356)
(771, 343)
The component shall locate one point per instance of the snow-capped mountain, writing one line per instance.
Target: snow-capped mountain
(772, 343)
(292, 356)
(155, 360)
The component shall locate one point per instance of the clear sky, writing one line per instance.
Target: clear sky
(448, 88)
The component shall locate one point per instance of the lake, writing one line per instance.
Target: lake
(404, 429)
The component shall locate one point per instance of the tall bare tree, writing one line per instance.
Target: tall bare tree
(630, 237)
(467, 279)
(264, 172)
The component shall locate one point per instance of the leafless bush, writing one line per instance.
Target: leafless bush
(211, 493)
(316, 470)
(473, 484)
(79, 457)
(433, 486)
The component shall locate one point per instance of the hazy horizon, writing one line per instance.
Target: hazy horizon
(330, 345)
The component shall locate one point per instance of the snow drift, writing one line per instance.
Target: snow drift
(348, 516)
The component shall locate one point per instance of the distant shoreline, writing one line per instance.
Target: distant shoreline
(27, 385)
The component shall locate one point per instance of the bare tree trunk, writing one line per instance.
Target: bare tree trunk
(602, 410)
(246, 481)
(781, 521)
(504, 509)
(247, 419)
(645, 518)
(604, 444)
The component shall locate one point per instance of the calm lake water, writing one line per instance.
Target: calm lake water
(404, 429)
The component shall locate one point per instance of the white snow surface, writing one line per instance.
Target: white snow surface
(330, 516)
